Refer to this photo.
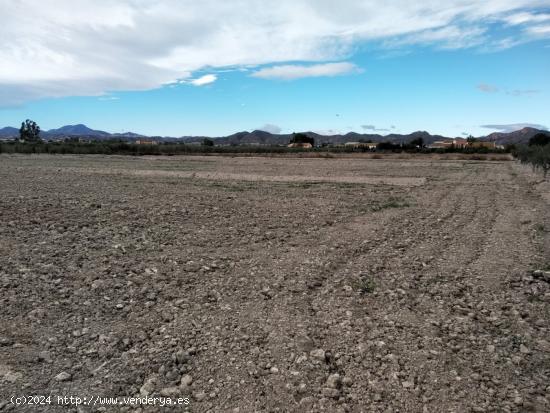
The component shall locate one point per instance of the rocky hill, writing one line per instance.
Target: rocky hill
(75, 130)
(520, 136)
(8, 132)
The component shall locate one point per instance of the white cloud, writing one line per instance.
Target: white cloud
(56, 48)
(204, 80)
(449, 37)
(268, 127)
(291, 72)
(524, 17)
(543, 30)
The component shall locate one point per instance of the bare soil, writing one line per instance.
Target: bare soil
(275, 284)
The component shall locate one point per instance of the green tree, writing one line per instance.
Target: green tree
(540, 139)
(302, 138)
(29, 131)
(418, 142)
(471, 139)
(536, 155)
(207, 142)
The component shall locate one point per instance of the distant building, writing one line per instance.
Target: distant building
(441, 144)
(146, 142)
(449, 143)
(483, 144)
(463, 143)
(460, 142)
(305, 145)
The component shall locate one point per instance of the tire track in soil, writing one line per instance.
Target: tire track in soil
(466, 226)
(305, 305)
(459, 227)
(483, 227)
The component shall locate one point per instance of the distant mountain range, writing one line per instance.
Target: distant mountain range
(79, 130)
(259, 137)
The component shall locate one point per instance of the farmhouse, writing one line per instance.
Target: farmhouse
(460, 142)
(441, 144)
(448, 143)
(483, 144)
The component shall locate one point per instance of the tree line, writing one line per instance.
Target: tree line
(536, 153)
(122, 147)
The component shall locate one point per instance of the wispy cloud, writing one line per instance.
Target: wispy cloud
(327, 132)
(523, 92)
(514, 127)
(496, 45)
(292, 72)
(539, 31)
(484, 87)
(449, 37)
(268, 127)
(487, 88)
(526, 17)
(375, 129)
(204, 80)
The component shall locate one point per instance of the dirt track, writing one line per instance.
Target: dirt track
(268, 295)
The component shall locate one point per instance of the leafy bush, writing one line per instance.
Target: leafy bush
(365, 284)
(390, 203)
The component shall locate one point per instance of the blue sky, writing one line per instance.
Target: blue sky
(469, 67)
